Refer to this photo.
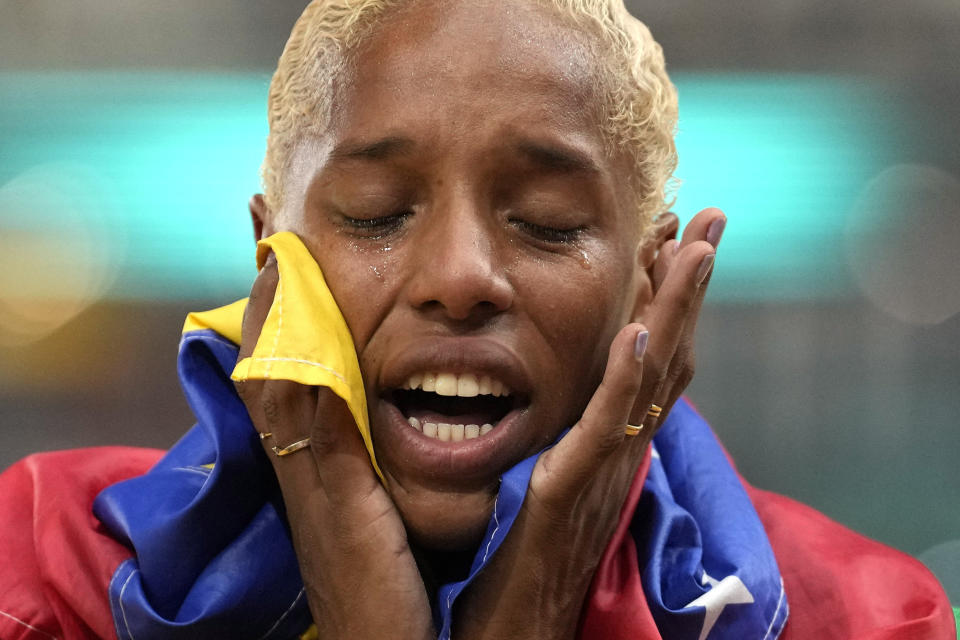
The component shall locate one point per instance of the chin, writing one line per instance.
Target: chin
(447, 522)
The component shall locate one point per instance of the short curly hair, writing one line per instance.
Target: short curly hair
(639, 110)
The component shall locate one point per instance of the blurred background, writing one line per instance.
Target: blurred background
(131, 134)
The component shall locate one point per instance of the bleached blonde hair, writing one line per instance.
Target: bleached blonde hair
(638, 114)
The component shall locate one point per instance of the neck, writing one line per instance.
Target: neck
(442, 567)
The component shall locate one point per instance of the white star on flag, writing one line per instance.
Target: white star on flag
(730, 590)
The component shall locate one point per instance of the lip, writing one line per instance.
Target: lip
(452, 464)
(479, 356)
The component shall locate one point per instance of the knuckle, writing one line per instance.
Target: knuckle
(270, 404)
(685, 374)
(609, 439)
(250, 392)
(680, 300)
(324, 442)
(622, 391)
(654, 373)
(243, 390)
(683, 366)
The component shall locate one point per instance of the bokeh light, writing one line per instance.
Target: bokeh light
(60, 249)
(902, 242)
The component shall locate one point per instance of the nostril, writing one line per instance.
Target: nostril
(468, 312)
(462, 296)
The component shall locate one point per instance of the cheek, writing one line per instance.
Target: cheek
(578, 307)
(362, 281)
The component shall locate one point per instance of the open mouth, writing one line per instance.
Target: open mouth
(453, 408)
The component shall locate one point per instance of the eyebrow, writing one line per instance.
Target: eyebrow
(557, 158)
(376, 150)
(552, 157)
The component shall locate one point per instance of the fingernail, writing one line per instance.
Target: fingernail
(676, 247)
(640, 346)
(705, 265)
(715, 231)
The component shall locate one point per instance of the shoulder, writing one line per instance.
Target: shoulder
(57, 559)
(842, 585)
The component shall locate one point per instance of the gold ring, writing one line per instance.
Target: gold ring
(632, 430)
(654, 411)
(291, 448)
(264, 436)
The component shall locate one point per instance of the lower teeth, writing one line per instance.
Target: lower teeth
(450, 432)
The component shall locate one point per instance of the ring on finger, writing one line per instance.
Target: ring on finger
(292, 448)
(654, 411)
(632, 430)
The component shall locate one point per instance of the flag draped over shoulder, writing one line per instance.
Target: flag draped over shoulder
(195, 544)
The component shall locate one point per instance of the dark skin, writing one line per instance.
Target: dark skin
(457, 208)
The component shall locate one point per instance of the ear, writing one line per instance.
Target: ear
(667, 227)
(259, 213)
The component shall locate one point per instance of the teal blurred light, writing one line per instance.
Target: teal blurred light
(180, 154)
(784, 156)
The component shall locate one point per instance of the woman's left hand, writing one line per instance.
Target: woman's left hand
(536, 584)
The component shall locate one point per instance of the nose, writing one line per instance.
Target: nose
(458, 271)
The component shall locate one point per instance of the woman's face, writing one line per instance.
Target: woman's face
(470, 227)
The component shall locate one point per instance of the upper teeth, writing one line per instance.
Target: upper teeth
(466, 385)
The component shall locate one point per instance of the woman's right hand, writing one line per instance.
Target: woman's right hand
(358, 570)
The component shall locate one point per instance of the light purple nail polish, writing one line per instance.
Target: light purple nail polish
(676, 247)
(715, 231)
(640, 346)
(705, 266)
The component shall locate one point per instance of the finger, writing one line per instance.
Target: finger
(704, 275)
(665, 259)
(663, 241)
(708, 225)
(681, 369)
(283, 413)
(666, 228)
(336, 460)
(339, 451)
(669, 313)
(676, 297)
(258, 306)
(292, 412)
(570, 464)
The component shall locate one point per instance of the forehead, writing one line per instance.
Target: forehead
(464, 68)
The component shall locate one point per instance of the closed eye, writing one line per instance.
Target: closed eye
(379, 226)
(543, 233)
